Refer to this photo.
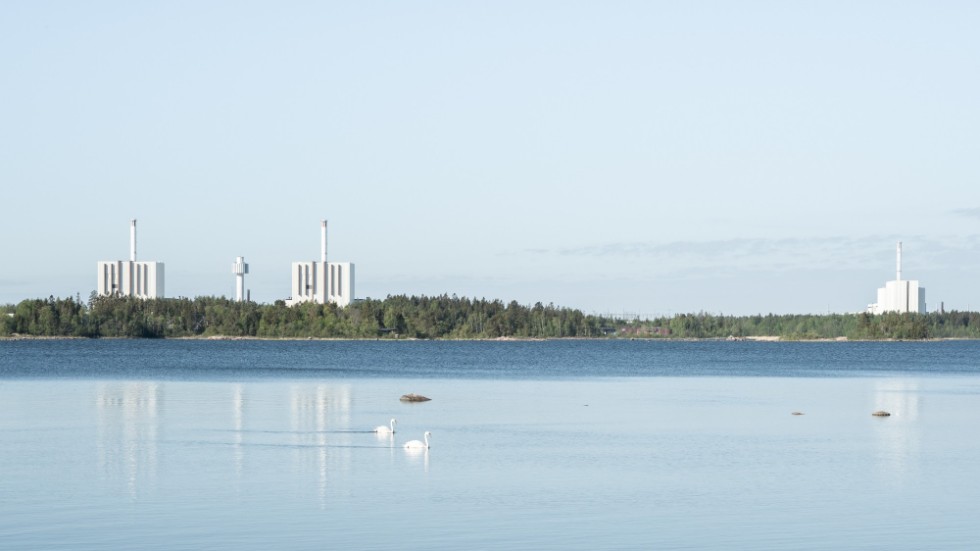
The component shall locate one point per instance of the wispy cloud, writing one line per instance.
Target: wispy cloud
(780, 255)
(967, 213)
(729, 249)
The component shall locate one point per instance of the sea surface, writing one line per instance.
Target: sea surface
(188, 444)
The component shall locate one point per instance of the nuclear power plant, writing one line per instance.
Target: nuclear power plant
(322, 282)
(901, 296)
(130, 278)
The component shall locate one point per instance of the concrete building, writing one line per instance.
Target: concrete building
(130, 278)
(239, 268)
(322, 282)
(901, 296)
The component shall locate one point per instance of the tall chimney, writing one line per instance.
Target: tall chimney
(132, 240)
(323, 241)
(898, 262)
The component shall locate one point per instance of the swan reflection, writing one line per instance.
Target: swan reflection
(386, 438)
(414, 454)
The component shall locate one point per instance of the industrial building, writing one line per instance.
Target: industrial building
(901, 296)
(322, 282)
(130, 278)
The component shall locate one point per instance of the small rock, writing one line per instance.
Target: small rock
(881, 413)
(414, 398)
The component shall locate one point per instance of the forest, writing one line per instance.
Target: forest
(440, 317)
(394, 317)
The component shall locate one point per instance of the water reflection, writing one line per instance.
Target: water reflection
(900, 397)
(315, 411)
(128, 422)
(897, 438)
(307, 426)
(416, 454)
(238, 424)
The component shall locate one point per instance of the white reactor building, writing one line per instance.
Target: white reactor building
(322, 281)
(130, 278)
(901, 296)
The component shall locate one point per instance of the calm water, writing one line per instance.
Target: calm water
(536, 445)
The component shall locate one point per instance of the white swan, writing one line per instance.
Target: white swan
(417, 444)
(386, 430)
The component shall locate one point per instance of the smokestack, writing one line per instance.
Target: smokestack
(132, 240)
(898, 263)
(323, 240)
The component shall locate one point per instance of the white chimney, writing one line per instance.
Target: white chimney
(323, 241)
(898, 262)
(132, 240)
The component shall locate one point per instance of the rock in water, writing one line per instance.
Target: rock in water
(797, 413)
(881, 413)
(414, 398)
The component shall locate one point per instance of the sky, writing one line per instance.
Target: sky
(624, 158)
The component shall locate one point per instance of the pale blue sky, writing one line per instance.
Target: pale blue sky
(618, 157)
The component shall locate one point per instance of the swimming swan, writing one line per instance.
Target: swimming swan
(416, 444)
(386, 430)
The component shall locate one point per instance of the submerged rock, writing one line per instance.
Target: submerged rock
(881, 413)
(414, 398)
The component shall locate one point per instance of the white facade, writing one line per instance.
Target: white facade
(131, 278)
(900, 295)
(239, 268)
(340, 283)
(322, 282)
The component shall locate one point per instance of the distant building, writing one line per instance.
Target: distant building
(322, 282)
(901, 296)
(239, 268)
(130, 278)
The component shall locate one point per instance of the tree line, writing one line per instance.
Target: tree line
(394, 317)
(439, 317)
(861, 326)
